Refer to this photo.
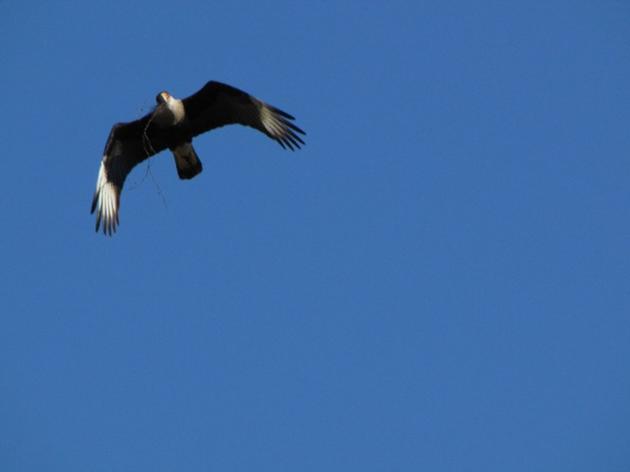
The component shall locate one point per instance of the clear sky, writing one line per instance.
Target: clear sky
(439, 280)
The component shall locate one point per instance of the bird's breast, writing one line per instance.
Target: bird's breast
(169, 114)
(177, 108)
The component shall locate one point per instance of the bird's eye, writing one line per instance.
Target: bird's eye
(159, 98)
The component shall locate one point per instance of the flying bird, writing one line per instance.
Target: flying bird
(172, 125)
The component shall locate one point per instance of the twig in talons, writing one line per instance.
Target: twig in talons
(145, 139)
(149, 151)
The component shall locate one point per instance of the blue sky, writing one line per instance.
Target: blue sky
(439, 280)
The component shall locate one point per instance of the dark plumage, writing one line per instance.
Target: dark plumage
(172, 125)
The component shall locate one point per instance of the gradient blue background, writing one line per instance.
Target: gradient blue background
(439, 281)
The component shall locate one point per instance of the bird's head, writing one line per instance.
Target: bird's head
(162, 97)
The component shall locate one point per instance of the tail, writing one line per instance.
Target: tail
(187, 161)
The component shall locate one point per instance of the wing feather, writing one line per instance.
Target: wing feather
(218, 104)
(128, 145)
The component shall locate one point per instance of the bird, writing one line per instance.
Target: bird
(172, 124)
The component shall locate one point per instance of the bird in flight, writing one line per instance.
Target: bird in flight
(172, 125)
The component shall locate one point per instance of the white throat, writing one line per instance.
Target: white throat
(177, 108)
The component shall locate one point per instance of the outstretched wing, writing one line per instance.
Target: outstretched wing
(128, 145)
(218, 104)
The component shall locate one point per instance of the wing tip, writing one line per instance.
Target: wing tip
(277, 126)
(105, 203)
